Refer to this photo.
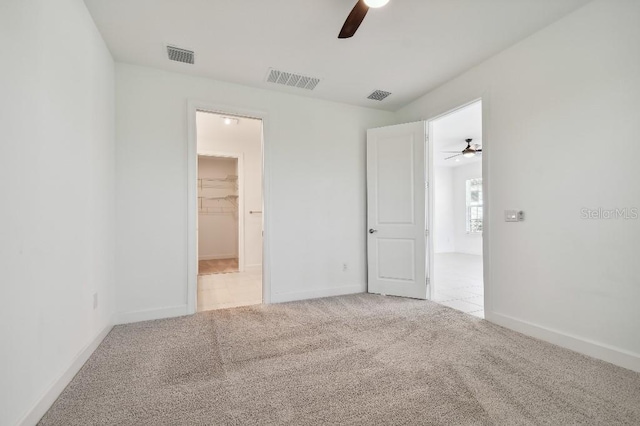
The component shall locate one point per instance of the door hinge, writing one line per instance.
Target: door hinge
(426, 232)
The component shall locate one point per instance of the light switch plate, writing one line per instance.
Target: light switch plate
(510, 215)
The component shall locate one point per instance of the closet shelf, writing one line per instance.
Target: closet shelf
(210, 197)
(228, 178)
(218, 183)
(217, 210)
(218, 195)
(224, 197)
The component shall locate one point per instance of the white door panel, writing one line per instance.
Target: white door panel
(396, 210)
(395, 180)
(396, 259)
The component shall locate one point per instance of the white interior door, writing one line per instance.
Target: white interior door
(396, 217)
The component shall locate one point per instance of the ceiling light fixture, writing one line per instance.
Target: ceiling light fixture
(468, 152)
(356, 16)
(375, 3)
(228, 121)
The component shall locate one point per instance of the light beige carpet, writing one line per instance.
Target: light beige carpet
(355, 360)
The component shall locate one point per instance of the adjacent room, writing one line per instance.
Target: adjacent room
(229, 188)
(457, 277)
(302, 212)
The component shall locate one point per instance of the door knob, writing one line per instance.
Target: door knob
(371, 231)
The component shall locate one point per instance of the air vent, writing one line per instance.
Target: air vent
(378, 95)
(292, 80)
(180, 55)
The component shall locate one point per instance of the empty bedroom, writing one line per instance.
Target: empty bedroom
(303, 212)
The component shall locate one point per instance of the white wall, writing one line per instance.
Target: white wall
(560, 112)
(315, 151)
(450, 210)
(56, 186)
(443, 213)
(464, 242)
(217, 232)
(243, 138)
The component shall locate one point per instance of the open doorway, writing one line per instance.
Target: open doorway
(456, 161)
(230, 207)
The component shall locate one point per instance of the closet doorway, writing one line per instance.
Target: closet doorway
(229, 199)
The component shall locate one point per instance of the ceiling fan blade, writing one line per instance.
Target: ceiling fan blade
(478, 150)
(354, 20)
(453, 156)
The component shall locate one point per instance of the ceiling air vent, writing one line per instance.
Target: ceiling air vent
(180, 55)
(292, 80)
(378, 95)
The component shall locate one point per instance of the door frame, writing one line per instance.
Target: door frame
(239, 156)
(193, 107)
(486, 194)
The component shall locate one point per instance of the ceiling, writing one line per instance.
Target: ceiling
(449, 134)
(407, 47)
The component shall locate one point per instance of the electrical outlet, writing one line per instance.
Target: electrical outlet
(345, 267)
(95, 300)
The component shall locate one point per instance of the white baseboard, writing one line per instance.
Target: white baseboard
(54, 390)
(315, 294)
(473, 253)
(617, 356)
(151, 314)
(218, 257)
